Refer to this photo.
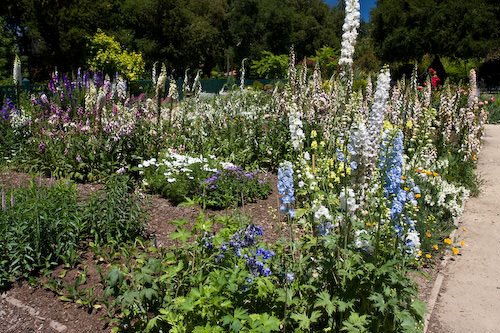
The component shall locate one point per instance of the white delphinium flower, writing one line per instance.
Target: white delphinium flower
(292, 71)
(121, 88)
(172, 90)
(160, 85)
(348, 200)
(101, 98)
(320, 212)
(376, 119)
(90, 97)
(473, 99)
(413, 242)
(361, 240)
(16, 73)
(185, 85)
(197, 84)
(242, 78)
(350, 29)
(153, 74)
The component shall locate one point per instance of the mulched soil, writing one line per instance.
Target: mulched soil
(48, 305)
(74, 317)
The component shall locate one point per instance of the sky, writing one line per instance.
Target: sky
(365, 5)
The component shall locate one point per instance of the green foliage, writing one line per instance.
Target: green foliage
(271, 66)
(233, 186)
(107, 56)
(39, 228)
(327, 59)
(406, 30)
(114, 214)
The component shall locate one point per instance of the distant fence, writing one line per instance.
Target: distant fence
(213, 86)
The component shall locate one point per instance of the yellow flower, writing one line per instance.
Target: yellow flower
(387, 125)
(313, 134)
(447, 241)
(435, 247)
(435, 174)
(409, 124)
(322, 144)
(463, 243)
(474, 157)
(428, 172)
(428, 234)
(374, 224)
(368, 224)
(406, 188)
(455, 251)
(419, 253)
(403, 177)
(428, 256)
(464, 230)
(314, 145)
(417, 195)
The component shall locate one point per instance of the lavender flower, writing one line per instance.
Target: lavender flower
(285, 188)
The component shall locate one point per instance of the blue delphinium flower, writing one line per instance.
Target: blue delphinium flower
(285, 188)
(289, 277)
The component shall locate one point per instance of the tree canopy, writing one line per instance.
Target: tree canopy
(206, 34)
(408, 29)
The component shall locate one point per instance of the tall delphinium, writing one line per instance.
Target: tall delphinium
(159, 90)
(473, 98)
(292, 71)
(17, 76)
(350, 33)
(376, 119)
(397, 193)
(242, 78)
(121, 88)
(286, 189)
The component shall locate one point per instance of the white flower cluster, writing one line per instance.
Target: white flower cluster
(175, 163)
(19, 119)
(121, 88)
(17, 74)
(172, 90)
(376, 119)
(90, 97)
(350, 29)
(160, 84)
(413, 238)
(448, 196)
(320, 212)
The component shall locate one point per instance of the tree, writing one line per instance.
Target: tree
(107, 56)
(408, 29)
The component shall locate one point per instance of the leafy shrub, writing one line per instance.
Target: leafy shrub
(271, 66)
(108, 56)
(114, 214)
(39, 228)
(234, 186)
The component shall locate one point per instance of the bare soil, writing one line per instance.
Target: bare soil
(34, 308)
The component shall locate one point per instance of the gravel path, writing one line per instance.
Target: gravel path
(469, 299)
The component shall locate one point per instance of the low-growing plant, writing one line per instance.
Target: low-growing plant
(39, 228)
(234, 186)
(115, 214)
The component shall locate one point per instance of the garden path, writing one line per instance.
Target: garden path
(469, 299)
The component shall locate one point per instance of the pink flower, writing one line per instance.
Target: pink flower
(493, 98)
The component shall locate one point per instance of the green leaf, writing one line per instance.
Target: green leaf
(325, 302)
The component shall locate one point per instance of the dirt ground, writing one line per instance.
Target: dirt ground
(25, 308)
(469, 300)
